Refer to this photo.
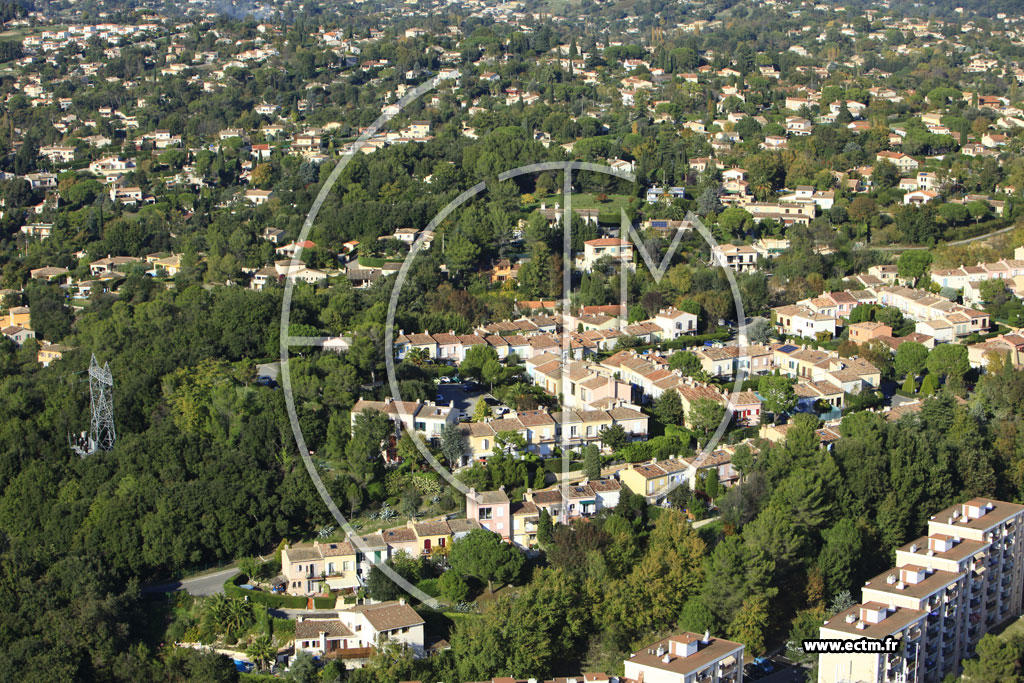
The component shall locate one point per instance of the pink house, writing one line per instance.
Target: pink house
(492, 509)
(447, 346)
(746, 408)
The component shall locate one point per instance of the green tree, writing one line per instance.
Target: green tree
(997, 660)
(453, 587)
(481, 411)
(736, 221)
(668, 408)
(545, 528)
(838, 560)
(614, 437)
(711, 486)
(806, 626)
(929, 385)
(477, 357)
(460, 254)
(884, 174)
(685, 361)
(261, 651)
(948, 360)
(913, 263)
(453, 443)
(911, 358)
(705, 416)
(750, 624)
(777, 393)
(696, 617)
(482, 555)
(735, 572)
(591, 461)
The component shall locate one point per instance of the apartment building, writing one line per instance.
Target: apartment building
(687, 658)
(948, 589)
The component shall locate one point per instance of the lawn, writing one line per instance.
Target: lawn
(609, 210)
(1013, 628)
(18, 34)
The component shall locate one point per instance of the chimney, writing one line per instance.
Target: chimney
(401, 601)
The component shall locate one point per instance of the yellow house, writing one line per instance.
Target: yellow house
(652, 478)
(171, 265)
(311, 568)
(19, 315)
(50, 352)
(431, 536)
(525, 516)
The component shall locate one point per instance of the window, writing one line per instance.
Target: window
(501, 512)
(484, 513)
(500, 525)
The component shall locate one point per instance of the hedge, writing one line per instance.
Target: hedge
(233, 590)
(325, 603)
(687, 342)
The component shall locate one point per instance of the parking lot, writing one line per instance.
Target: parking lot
(465, 400)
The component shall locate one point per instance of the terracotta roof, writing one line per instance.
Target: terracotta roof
(312, 628)
(387, 616)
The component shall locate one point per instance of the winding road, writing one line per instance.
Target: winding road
(203, 584)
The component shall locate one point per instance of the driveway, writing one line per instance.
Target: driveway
(204, 584)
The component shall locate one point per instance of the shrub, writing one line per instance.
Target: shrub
(453, 587)
(232, 590)
(429, 586)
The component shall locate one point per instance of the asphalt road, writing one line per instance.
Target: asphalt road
(785, 673)
(205, 584)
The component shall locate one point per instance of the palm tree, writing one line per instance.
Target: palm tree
(261, 651)
(239, 616)
(216, 610)
(417, 356)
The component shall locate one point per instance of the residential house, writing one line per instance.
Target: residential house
(593, 250)
(492, 509)
(311, 568)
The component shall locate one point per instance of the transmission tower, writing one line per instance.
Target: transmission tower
(101, 434)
